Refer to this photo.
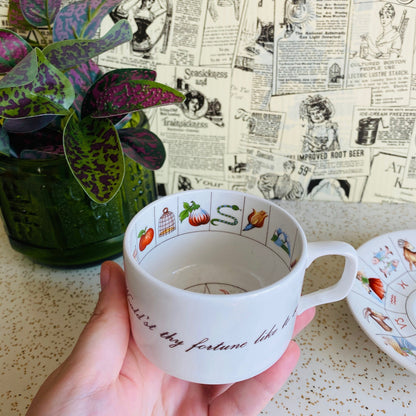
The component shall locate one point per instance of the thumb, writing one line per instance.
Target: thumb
(101, 348)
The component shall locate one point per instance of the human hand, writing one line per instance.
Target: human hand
(106, 374)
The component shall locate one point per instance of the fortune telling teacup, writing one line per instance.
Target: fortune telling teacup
(214, 282)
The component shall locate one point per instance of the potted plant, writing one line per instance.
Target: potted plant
(76, 155)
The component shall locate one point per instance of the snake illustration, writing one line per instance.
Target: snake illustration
(234, 220)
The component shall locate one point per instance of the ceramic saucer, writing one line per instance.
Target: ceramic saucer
(383, 297)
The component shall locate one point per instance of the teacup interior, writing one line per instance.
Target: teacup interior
(215, 241)
(215, 263)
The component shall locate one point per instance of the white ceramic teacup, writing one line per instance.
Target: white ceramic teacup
(214, 282)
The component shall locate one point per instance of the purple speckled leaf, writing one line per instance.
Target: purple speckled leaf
(82, 78)
(27, 125)
(49, 93)
(40, 12)
(23, 73)
(112, 78)
(33, 145)
(70, 53)
(143, 146)
(15, 16)
(95, 156)
(13, 48)
(82, 19)
(114, 95)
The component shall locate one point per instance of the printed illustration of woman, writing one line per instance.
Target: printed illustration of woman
(389, 43)
(142, 13)
(274, 186)
(321, 132)
(195, 105)
(143, 16)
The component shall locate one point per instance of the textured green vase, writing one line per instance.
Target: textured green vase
(49, 218)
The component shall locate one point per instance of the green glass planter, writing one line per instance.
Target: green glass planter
(50, 219)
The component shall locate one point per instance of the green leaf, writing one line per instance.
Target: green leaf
(81, 19)
(40, 12)
(82, 77)
(183, 215)
(143, 146)
(71, 53)
(15, 17)
(28, 124)
(49, 93)
(94, 154)
(142, 232)
(136, 119)
(194, 206)
(121, 91)
(188, 209)
(13, 48)
(24, 72)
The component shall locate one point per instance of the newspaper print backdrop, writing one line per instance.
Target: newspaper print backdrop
(305, 99)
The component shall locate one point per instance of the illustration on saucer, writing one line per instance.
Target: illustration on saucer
(401, 345)
(383, 297)
(377, 317)
(372, 285)
(409, 252)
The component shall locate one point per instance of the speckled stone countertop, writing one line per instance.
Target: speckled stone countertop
(341, 371)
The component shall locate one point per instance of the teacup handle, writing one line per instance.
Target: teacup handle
(340, 289)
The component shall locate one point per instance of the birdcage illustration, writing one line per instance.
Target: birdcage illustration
(167, 223)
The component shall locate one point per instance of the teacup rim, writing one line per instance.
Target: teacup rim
(170, 288)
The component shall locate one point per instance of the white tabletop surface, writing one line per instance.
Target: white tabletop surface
(340, 372)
